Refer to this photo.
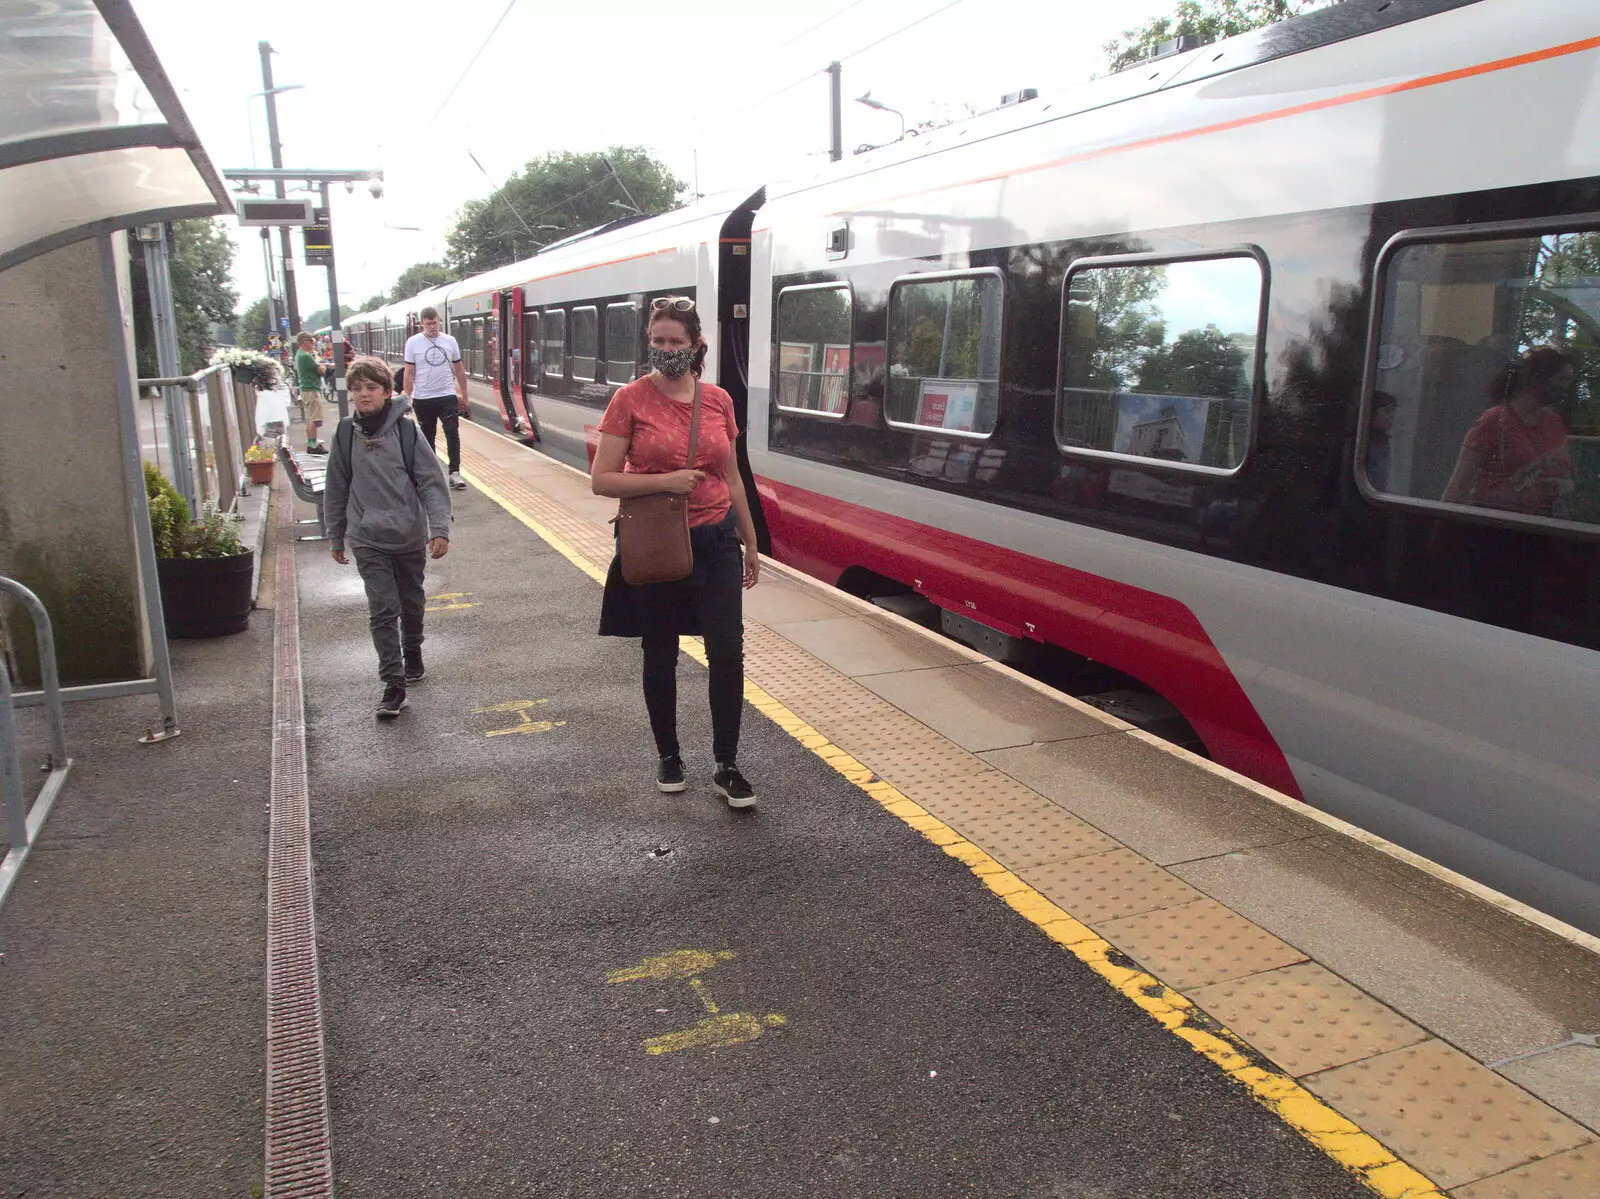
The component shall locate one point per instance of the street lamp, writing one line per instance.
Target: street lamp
(866, 98)
(250, 124)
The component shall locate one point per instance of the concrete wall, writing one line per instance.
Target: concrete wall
(65, 528)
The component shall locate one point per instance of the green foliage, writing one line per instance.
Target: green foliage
(569, 191)
(214, 535)
(1210, 20)
(201, 264)
(373, 303)
(1563, 273)
(169, 511)
(418, 277)
(313, 320)
(1200, 362)
(254, 325)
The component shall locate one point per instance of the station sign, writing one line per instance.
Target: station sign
(319, 239)
(271, 211)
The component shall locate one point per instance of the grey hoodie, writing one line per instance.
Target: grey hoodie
(379, 509)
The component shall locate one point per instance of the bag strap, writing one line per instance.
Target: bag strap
(694, 425)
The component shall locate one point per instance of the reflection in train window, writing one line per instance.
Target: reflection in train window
(1487, 381)
(622, 342)
(1159, 360)
(555, 343)
(944, 352)
(585, 343)
(814, 349)
(530, 350)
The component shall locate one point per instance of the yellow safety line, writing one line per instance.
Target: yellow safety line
(1345, 1142)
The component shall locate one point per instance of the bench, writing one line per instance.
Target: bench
(307, 482)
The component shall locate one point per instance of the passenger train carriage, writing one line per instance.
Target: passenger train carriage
(1173, 371)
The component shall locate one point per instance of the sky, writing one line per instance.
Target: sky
(729, 94)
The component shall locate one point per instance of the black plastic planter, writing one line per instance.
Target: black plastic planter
(206, 597)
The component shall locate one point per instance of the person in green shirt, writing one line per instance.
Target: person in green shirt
(308, 374)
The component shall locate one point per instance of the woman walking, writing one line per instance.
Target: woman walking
(645, 439)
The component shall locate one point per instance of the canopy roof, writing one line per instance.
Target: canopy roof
(92, 136)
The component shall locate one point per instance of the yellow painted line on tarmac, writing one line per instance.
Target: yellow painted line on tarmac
(1354, 1149)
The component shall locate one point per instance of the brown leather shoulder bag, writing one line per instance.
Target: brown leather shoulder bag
(653, 529)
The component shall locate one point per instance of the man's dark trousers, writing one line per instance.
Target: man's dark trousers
(430, 412)
(395, 602)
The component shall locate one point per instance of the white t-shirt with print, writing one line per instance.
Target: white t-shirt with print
(432, 357)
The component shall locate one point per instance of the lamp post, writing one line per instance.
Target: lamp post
(249, 122)
(271, 93)
(866, 98)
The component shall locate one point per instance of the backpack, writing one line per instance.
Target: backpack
(344, 440)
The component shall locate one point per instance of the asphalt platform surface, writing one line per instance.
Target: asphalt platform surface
(888, 1026)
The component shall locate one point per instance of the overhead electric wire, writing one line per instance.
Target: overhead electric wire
(819, 24)
(484, 45)
(898, 32)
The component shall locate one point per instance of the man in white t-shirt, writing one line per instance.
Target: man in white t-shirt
(437, 384)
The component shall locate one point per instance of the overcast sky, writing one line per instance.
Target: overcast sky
(693, 83)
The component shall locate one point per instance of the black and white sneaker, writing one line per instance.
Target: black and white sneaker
(669, 775)
(415, 671)
(393, 702)
(733, 786)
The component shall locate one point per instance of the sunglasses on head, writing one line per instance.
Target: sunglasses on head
(676, 303)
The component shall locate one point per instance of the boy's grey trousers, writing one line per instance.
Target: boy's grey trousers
(394, 602)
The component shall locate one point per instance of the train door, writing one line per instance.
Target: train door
(733, 337)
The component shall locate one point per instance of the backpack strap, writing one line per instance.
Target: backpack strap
(408, 448)
(344, 439)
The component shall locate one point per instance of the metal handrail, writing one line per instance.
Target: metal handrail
(49, 678)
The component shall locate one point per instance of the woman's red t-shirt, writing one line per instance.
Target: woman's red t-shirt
(657, 429)
(1522, 464)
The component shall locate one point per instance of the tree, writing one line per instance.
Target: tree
(200, 263)
(373, 303)
(1199, 362)
(419, 277)
(313, 320)
(254, 325)
(1209, 20)
(552, 197)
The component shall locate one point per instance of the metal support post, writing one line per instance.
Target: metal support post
(291, 301)
(44, 639)
(16, 802)
(138, 504)
(836, 110)
(158, 275)
(339, 390)
(272, 300)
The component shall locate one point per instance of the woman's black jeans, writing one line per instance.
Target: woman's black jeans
(719, 608)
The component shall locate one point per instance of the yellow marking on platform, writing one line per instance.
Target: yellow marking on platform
(455, 603)
(1356, 1151)
(668, 967)
(715, 1032)
(527, 725)
(700, 993)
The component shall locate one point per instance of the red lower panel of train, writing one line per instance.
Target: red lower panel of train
(1152, 637)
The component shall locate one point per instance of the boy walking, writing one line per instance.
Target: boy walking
(308, 375)
(385, 496)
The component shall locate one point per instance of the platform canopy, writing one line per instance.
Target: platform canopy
(92, 136)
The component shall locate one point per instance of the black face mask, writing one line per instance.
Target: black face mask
(674, 364)
(371, 424)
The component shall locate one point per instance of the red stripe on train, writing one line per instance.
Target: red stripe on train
(1152, 637)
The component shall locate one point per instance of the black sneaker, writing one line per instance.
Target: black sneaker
(733, 786)
(394, 699)
(415, 671)
(669, 775)
(316, 447)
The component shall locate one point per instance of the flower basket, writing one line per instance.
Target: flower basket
(260, 472)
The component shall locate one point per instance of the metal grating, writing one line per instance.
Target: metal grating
(1307, 1019)
(1452, 1118)
(1199, 943)
(299, 1154)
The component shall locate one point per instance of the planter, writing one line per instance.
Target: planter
(260, 472)
(206, 597)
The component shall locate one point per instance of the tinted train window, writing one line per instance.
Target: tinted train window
(814, 349)
(622, 342)
(944, 353)
(1487, 379)
(555, 343)
(530, 349)
(585, 342)
(1159, 360)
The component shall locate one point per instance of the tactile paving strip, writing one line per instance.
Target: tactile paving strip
(1031, 838)
(1453, 1119)
(1571, 1175)
(1307, 1019)
(967, 798)
(1105, 886)
(1198, 943)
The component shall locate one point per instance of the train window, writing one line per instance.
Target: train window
(1159, 359)
(555, 343)
(622, 342)
(814, 349)
(531, 350)
(585, 342)
(944, 352)
(1486, 377)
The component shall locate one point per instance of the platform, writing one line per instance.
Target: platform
(977, 938)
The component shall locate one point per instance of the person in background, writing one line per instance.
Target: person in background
(1515, 455)
(386, 500)
(644, 444)
(308, 375)
(436, 381)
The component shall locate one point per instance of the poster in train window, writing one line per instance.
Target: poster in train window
(1159, 360)
(814, 349)
(944, 341)
(1487, 388)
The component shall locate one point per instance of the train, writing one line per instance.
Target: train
(1171, 372)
